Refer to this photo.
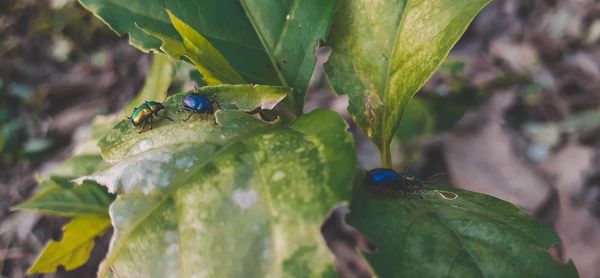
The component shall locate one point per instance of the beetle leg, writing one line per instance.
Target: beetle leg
(214, 102)
(189, 116)
(206, 117)
(150, 123)
(142, 129)
(165, 117)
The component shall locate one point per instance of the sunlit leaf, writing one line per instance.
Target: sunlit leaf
(237, 198)
(74, 249)
(124, 140)
(384, 51)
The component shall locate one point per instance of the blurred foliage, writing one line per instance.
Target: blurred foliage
(436, 110)
(34, 33)
(433, 111)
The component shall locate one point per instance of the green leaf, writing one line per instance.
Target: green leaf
(248, 41)
(88, 203)
(453, 233)
(196, 48)
(124, 140)
(60, 197)
(79, 165)
(237, 198)
(121, 18)
(246, 97)
(157, 82)
(74, 249)
(384, 51)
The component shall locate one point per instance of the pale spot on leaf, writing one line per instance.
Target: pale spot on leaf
(244, 199)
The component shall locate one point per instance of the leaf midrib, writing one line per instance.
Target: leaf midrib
(456, 235)
(116, 248)
(291, 97)
(490, 218)
(269, 204)
(460, 236)
(269, 51)
(389, 66)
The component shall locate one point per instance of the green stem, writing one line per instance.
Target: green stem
(386, 156)
(291, 104)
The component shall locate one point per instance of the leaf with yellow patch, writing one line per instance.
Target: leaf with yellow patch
(74, 249)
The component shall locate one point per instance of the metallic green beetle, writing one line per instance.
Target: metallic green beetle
(145, 113)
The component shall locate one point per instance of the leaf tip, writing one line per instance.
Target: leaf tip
(17, 207)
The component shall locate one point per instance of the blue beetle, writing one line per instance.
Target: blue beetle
(382, 177)
(198, 103)
(388, 180)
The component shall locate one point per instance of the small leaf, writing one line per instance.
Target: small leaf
(157, 82)
(74, 249)
(384, 51)
(60, 197)
(453, 233)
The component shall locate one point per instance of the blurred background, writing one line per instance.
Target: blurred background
(514, 112)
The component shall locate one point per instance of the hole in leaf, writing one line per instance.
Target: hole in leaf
(61, 269)
(447, 195)
(346, 243)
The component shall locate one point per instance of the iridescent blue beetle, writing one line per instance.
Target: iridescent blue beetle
(383, 177)
(381, 180)
(198, 103)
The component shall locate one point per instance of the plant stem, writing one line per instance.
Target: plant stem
(386, 156)
(291, 104)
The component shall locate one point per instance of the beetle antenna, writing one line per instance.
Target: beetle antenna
(406, 171)
(428, 179)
